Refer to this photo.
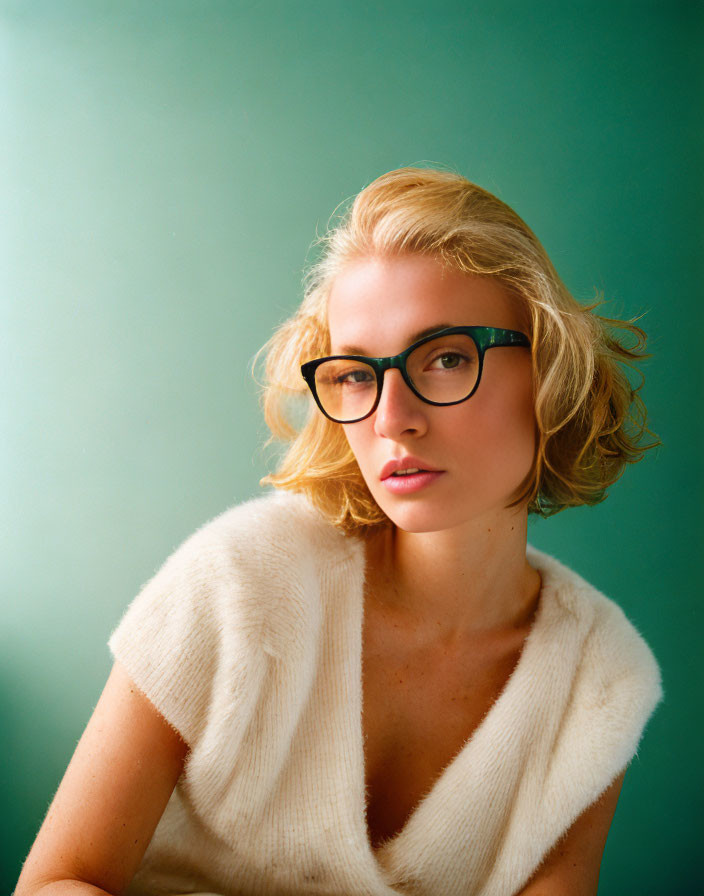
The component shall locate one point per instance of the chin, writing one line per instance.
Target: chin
(421, 515)
(418, 519)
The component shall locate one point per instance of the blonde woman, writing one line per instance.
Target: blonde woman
(365, 681)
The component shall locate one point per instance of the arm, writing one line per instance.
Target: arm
(571, 868)
(110, 800)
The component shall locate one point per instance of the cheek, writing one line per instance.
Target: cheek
(357, 439)
(508, 391)
(360, 439)
(501, 428)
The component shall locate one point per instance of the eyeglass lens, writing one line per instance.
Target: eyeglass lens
(443, 370)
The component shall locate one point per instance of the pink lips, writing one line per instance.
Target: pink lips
(404, 485)
(412, 482)
(406, 463)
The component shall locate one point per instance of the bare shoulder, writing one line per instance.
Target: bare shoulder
(112, 795)
(571, 868)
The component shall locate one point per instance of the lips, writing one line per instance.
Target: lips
(406, 463)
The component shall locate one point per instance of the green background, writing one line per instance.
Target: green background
(165, 166)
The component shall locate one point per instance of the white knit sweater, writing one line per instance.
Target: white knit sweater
(248, 640)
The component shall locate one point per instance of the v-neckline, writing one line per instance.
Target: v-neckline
(383, 852)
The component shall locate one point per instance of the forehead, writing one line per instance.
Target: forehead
(379, 306)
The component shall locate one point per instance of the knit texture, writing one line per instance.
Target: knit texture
(248, 640)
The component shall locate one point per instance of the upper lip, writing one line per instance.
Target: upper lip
(405, 463)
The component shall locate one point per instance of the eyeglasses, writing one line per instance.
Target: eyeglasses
(441, 369)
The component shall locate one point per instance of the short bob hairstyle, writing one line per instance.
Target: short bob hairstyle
(589, 419)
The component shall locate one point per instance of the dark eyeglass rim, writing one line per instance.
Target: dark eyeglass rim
(483, 337)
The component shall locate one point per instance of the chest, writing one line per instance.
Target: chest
(420, 705)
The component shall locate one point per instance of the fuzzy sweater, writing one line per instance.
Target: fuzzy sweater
(248, 640)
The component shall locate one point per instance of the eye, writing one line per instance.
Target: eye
(450, 360)
(353, 377)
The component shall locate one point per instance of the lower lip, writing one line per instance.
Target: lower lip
(403, 485)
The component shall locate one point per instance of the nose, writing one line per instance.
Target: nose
(399, 411)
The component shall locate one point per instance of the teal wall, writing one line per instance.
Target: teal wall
(165, 168)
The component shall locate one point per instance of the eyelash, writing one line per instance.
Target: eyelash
(342, 380)
(449, 354)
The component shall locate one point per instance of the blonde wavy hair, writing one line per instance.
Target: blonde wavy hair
(590, 420)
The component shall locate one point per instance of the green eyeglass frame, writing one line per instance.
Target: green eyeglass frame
(483, 337)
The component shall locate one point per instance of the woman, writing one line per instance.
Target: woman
(365, 681)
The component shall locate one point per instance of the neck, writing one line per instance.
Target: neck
(453, 584)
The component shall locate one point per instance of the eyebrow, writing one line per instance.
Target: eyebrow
(356, 350)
